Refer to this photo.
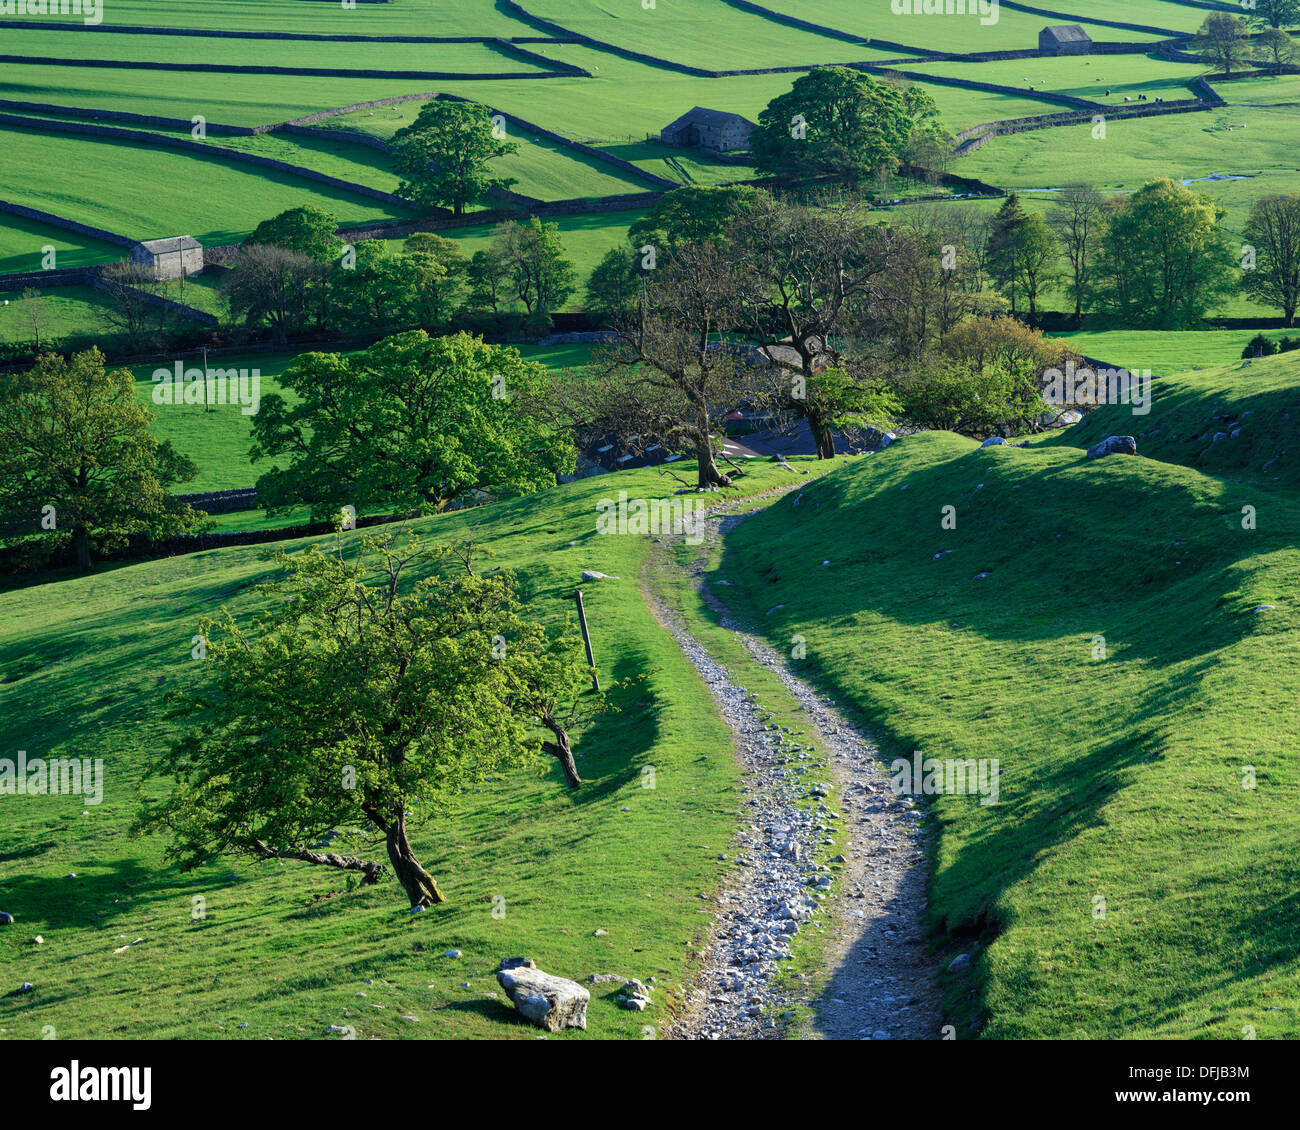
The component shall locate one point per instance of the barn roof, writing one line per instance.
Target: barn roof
(702, 116)
(1068, 33)
(170, 245)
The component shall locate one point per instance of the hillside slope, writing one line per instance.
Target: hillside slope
(529, 867)
(1254, 407)
(1093, 626)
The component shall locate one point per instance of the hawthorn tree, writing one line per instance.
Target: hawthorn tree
(539, 275)
(439, 274)
(613, 285)
(691, 215)
(1277, 47)
(413, 422)
(443, 155)
(366, 699)
(74, 440)
(132, 308)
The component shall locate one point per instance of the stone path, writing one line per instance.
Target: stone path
(881, 983)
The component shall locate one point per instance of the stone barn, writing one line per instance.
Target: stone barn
(1065, 39)
(715, 131)
(170, 258)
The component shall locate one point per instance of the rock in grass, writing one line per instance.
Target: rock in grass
(592, 575)
(960, 963)
(6, 919)
(994, 441)
(549, 1002)
(1113, 445)
(518, 963)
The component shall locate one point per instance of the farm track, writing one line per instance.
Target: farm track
(879, 981)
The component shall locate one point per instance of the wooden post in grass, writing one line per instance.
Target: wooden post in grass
(586, 639)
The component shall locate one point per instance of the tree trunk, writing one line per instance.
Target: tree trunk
(822, 435)
(81, 543)
(562, 751)
(419, 885)
(709, 475)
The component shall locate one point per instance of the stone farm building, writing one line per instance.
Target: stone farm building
(1065, 39)
(713, 130)
(170, 258)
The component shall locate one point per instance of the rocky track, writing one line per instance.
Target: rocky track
(869, 901)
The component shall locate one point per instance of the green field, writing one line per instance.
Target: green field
(67, 310)
(469, 58)
(409, 17)
(1012, 30)
(1136, 150)
(1166, 351)
(1125, 76)
(1121, 770)
(586, 239)
(22, 244)
(156, 191)
(690, 32)
(273, 952)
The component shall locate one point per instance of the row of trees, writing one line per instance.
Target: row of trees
(1157, 259)
(293, 274)
(1225, 41)
(812, 310)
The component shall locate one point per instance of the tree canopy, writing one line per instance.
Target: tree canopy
(443, 155)
(413, 422)
(835, 121)
(78, 456)
(370, 694)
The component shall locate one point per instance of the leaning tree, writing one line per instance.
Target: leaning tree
(367, 697)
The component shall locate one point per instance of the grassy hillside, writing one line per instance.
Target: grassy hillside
(85, 675)
(1121, 777)
(1260, 401)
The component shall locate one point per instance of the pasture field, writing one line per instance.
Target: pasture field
(1082, 77)
(690, 31)
(1013, 30)
(1121, 769)
(1168, 351)
(1137, 150)
(156, 191)
(67, 310)
(1266, 90)
(409, 17)
(22, 241)
(470, 58)
(681, 165)
(275, 950)
(252, 100)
